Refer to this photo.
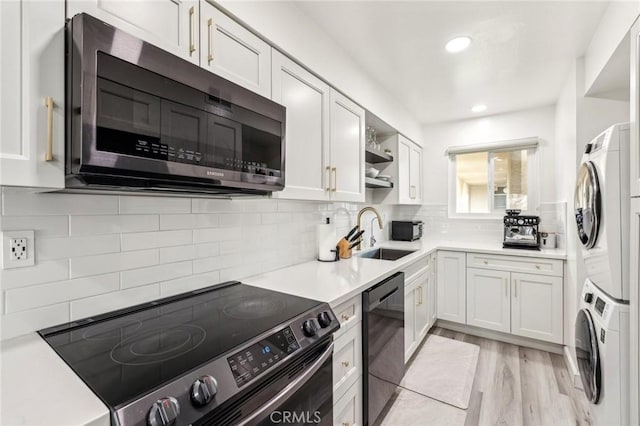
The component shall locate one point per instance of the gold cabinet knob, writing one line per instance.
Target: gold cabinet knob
(345, 317)
(537, 266)
(486, 262)
(346, 424)
(345, 363)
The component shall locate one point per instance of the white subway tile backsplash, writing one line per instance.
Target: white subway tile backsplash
(60, 248)
(111, 301)
(97, 253)
(34, 319)
(112, 224)
(217, 234)
(203, 205)
(44, 226)
(194, 282)
(154, 274)
(154, 205)
(145, 240)
(104, 263)
(36, 296)
(41, 272)
(22, 203)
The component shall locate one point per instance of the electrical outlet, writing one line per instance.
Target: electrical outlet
(18, 249)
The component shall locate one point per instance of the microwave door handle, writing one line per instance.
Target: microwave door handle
(291, 388)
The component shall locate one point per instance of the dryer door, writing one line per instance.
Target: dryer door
(587, 204)
(588, 355)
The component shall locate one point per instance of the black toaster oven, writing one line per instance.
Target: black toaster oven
(406, 230)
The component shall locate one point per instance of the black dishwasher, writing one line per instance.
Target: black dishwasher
(382, 344)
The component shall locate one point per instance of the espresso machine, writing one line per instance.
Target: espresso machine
(521, 232)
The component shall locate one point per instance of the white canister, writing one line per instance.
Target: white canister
(548, 240)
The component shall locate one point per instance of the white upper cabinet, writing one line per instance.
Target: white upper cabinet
(346, 150)
(405, 171)
(488, 299)
(233, 52)
(635, 109)
(172, 25)
(307, 100)
(32, 87)
(415, 174)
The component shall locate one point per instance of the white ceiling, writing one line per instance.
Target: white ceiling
(520, 57)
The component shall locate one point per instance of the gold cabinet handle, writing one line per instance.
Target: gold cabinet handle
(346, 424)
(48, 102)
(417, 295)
(192, 43)
(515, 289)
(335, 178)
(486, 262)
(210, 33)
(412, 192)
(345, 317)
(506, 288)
(328, 188)
(345, 363)
(537, 266)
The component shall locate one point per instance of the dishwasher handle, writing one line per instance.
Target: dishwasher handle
(375, 296)
(380, 301)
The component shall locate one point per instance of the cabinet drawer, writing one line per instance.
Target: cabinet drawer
(416, 268)
(347, 410)
(347, 360)
(349, 314)
(534, 265)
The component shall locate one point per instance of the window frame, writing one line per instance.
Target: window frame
(533, 176)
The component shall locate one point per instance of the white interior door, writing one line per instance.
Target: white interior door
(347, 149)
(489, 299)
(307, 134)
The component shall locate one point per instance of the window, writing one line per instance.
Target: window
(485, 182)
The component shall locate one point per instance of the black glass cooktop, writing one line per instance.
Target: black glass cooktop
(125, 354)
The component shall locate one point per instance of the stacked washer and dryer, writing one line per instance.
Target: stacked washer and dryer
(602, 324)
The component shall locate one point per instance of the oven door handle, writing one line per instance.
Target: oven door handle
(291, 388)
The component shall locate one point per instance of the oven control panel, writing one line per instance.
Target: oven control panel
(259, 357)
(521, 220)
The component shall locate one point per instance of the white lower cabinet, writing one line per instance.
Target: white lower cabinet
(347, 363)
(418, 292)
(452, 286)
(347, 411)
(410, 343)
(524, 304)
(536, 306)
(488, 299)
(433, 290)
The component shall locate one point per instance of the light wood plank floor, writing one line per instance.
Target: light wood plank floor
(514, 385)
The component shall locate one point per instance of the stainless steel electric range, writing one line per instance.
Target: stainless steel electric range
(226, 354)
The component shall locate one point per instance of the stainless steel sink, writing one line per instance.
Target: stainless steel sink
(386, 254)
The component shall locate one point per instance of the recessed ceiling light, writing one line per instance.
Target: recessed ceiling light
(479, 108)
(458, 44)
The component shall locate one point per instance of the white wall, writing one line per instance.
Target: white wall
(520, 124)
(287, 27)
(578, 120)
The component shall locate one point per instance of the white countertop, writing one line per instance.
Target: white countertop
(337, 282)
(38, 388)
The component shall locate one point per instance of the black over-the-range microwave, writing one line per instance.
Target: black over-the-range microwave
(140, 118)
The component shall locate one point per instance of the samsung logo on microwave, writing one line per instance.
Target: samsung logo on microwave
(212, 173)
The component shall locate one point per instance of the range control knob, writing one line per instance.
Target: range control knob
(309, 328)
(588, 297)
(203, 390)
(164, 412)
(324, 319)
(520, 221)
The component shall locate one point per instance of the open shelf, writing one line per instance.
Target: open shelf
(374, 157)
(377, 183)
